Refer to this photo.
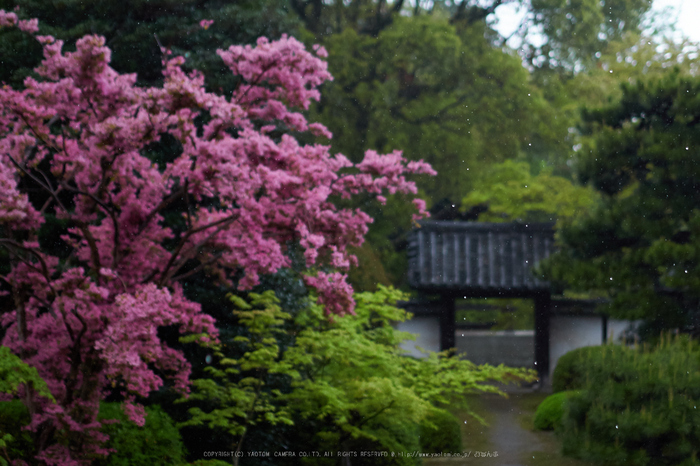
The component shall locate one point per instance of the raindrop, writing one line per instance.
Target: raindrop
(610, 278)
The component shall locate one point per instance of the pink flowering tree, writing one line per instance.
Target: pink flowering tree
(74, 146)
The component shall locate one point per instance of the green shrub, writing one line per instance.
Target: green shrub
(569, 373)
(14, 416)
(158, 442)
(551, 411)
(639, 406)
(445, 436)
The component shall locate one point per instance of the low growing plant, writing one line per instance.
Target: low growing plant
(569, 373)
(551, 411)
(639, 406)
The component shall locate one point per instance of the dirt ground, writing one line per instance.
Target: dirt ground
(508, 439)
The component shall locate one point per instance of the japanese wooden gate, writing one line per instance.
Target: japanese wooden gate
(483, 260)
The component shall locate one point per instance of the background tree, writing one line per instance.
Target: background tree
(639, 246)
(445, 95)
(133, 30)
(435, 79)
(508, 192)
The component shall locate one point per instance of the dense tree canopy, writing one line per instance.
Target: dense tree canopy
(508, 192)
(639, 246)
(135, 29)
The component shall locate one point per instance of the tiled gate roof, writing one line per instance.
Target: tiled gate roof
(478, 258)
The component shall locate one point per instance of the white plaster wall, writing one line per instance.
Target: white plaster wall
(618, 327)
(570, 332)
(427, 331)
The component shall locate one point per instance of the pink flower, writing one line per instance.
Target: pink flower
(90, 325)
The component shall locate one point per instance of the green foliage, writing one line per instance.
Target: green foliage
(349, 381)
(500, 313)
(512, 193)
(158, 442)
(15, 442)
(641, 244)
(569, 373)
(130, 25)
(577, 29)
(440, 432)
(237, 386)
(439, 93)
(551, 411)
(638, 406)
(14, 372)
(435, 92)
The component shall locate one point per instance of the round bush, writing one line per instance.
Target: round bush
(446, 436)
(569, 373)
(551, 411)
(157, 442)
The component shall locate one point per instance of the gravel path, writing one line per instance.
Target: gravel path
(507, 441)
(506, 434)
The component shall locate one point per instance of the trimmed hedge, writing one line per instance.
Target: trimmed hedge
(158, 442)
(446, 436)
(551, 411)
(639, 406)
(569, 373)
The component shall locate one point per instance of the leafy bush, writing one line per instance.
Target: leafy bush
(157, 442)
(349, 383)
(14, 416)
(445, 435)
(639, 406)
(570, 369)
(550, 412)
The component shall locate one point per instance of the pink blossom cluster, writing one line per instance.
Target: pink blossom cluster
(79, 137)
